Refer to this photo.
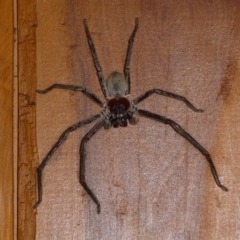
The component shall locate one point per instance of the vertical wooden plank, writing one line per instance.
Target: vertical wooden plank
(6, 122)
(220, 213)
(152, 184)
(27, 139)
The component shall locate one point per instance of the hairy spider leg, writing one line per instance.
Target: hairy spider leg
(188, 137)
(82, 151)
(128, 57)
(84, 90)
(167, 94)
(61, 139)
(96, 62)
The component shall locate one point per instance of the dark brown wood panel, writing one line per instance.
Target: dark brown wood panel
(6, 122)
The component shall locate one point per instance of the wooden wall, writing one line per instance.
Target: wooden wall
(152, 184)
(6, 120)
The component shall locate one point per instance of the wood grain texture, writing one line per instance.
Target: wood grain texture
(27, 158)
(6, 122)
(151, 182)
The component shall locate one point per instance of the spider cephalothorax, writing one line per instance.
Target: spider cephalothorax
(117, 111)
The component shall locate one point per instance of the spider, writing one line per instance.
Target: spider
(117, 111)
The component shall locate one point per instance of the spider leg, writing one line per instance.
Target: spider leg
(128, 57)
(167, 94)
(61, 139)
(187, 136)
(84, 90)
(82, 180)
(96, 62)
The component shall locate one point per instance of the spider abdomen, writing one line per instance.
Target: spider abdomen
(116, 84)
